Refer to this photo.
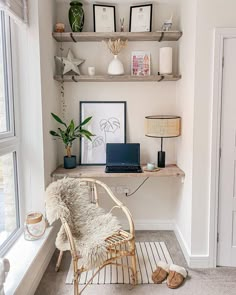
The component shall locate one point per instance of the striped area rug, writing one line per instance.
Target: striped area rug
(148, 254)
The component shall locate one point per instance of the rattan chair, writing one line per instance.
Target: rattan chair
(119, 244)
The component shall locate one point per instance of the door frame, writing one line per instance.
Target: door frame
(220, 34)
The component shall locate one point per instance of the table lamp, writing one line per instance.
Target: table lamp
(163, 127)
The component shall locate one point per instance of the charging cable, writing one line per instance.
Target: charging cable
(128, 195)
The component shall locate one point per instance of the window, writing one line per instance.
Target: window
(9, 197)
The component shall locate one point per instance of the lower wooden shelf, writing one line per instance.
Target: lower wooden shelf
(122, 78)
(99, 171)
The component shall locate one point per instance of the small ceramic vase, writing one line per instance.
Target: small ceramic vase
(115, 67)
(76, 16)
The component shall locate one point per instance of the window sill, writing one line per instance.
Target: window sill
(23, 259)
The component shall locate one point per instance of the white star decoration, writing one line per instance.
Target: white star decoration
(70, 63)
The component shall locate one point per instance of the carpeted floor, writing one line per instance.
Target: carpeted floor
(217, 281)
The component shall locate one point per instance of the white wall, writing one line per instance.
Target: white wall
(194, 92)
(185, 107)
(155, 203)
(211, 14)
(49, 87)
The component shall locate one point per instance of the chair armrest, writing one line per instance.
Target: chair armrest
(70, 237)
(118, 203)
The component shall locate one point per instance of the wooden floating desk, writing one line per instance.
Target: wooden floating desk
(99, 172)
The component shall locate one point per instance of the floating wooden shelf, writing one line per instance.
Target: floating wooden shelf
(123, 78)
(99, 171)
(94, 36)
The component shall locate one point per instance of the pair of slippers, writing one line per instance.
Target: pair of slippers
(173, 274)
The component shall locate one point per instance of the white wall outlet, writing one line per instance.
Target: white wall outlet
(126, 190)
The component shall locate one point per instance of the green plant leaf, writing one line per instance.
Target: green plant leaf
(83, 131)
(70, 132)
(53, 133)
(87, 136)
(63, 136)
(71, 127)
(58, 119)
(86, 133)
(85, 121)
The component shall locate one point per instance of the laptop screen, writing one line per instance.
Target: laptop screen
(123, 154)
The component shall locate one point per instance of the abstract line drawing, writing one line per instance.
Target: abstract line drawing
(109, 126)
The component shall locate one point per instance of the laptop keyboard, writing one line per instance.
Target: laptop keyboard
(123, 169)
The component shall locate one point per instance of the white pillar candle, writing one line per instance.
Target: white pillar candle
(165, 60)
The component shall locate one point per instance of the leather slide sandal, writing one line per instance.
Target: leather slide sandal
(176, 277)
(161, 273)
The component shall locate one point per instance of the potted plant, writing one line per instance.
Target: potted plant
(68, 135)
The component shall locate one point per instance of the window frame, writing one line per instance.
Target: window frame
(8, 76)
(9, 140)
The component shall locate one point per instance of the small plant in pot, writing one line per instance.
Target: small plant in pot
(68, 135)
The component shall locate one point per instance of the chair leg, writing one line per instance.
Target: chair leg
(75, 280)
(134, 276)
(59, 261)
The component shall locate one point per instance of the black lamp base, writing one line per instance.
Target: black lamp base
(161, 161)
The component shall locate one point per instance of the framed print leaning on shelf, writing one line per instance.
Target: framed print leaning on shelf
(140, 18)
(140, 63)
(104, 18)
(108, 124)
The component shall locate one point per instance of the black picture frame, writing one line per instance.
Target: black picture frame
(147, 25)
(112, 23)
(109, 126)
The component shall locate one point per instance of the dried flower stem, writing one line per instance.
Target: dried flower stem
(116, 45)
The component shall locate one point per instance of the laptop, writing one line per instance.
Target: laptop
(123, 158)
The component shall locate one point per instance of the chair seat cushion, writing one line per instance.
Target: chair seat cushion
(90, 225)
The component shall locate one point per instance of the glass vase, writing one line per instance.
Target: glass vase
(76, 16)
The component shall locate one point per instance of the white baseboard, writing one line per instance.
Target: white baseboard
(193, 261)
(150, 224)
(34, 274)
(199, 261)
(182, 243)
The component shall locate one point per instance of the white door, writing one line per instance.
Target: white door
(227, 182)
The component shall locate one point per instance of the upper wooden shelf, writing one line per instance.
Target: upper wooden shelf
(99, 171)
(122, 78)
(94, 36)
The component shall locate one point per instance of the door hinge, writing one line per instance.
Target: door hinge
(223, 61)
(220, 152)
(218, 237)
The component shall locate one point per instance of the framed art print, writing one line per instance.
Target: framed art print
(104, 17)
(108, 124)
(140, 63)
(141, 18)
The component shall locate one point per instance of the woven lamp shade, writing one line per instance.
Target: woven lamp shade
(162, 126)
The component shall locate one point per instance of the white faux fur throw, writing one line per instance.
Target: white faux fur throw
(90, 225)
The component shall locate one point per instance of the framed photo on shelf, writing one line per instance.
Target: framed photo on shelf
(140, 18)
(104, 18)
(108, 124)
(140, 63)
